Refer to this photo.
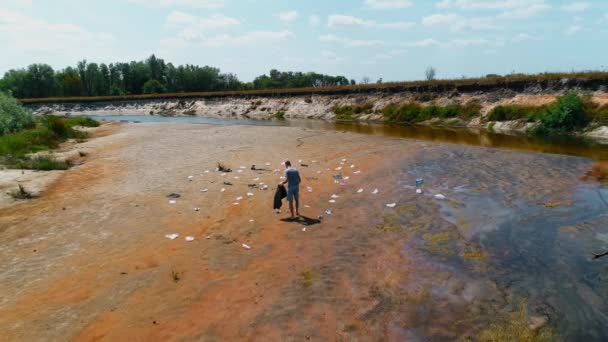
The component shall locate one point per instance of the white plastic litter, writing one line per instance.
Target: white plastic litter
(332, 201)
(172, 202)
(338, 168)
(190, 177)
(352, 166)
(304, 229)
(204, 190)
(344, 160)
(375, 192)
(314, 161)
(236, 177)
(242, 167)
(335, 196)
(257, 179)
(328, 212)
(391, 205)
(252, 220)
(309, 188)
(206, 171)
(306, 206)
(267, 164)
(239, 198)
(265, 187)
(246, 246)
(418, 191)
(346, 178)
(239, 171)
(250, 194)
(359, 191)
(223, 174)
(299, 161)
(282, 177)
(223, 189)
(439, 197)
(189, 238)
(357, 172)
(197, 209)
(172, 236)
(235, 203)
(341, 163)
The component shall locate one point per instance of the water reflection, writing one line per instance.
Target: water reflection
(558, 145)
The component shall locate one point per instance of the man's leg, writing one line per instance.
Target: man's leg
(297, 199)
(291, 208)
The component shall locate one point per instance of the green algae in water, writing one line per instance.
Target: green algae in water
(440, 243)
(515, 326)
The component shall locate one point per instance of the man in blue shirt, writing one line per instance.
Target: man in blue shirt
(292, 178)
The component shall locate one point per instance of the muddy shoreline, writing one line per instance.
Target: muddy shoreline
(93, 261)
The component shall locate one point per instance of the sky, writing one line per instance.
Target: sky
(389, 39)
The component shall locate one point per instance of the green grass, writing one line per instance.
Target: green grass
(82, 121)
(280, 115)
(349, 112)
(413, 112)
(517, 112)
(49, 132)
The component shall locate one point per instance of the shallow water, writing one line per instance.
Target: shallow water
(558, 145)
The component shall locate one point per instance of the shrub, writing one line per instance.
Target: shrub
(413, 112)
(280, 115)
(348, 112)
(13, 117)
(44, 164)
(82, 121)
(566, 115)
(516, 112)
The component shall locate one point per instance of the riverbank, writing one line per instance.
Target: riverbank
(94, 261)
(354, 107)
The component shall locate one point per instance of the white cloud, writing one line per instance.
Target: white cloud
(212, 4)
(214, 22)
(425, 43)
(457, 22)
(576, 6)
(222, 40)
(20, 32)
(388, 4)
(524, 37)
(348, 42)
(288, 17)
(336, 20)
(398, 25)
(17, 3)
(573, 29)
(314, 20)
(510, 8)
(339, 20)
(329, 55)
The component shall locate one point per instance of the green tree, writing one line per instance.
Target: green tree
(153, 87)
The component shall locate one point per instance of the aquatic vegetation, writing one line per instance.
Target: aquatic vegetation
(439, 243)
(474, 253)
(308, 279)
(389, 224)
(515, 326)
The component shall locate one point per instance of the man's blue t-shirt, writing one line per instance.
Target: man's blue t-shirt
(293, 177)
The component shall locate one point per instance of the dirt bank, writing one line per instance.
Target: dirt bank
(321, 107)
(90, 260)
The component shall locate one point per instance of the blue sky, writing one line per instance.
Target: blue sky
(389, 39)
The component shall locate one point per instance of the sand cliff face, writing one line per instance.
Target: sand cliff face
(321, 106)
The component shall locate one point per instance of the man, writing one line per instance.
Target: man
(292, 178)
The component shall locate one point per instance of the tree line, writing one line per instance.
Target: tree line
(150, 76)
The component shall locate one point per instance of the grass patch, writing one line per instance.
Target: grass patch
(82, 121)
(49, 132)
(412, 112)
(21, 194)
(517, 112)
(569, 113)
(280, 115)
(349, 112)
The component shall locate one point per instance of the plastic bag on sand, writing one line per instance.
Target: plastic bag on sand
(189, 238)
(439, 197)
(334, 196)
(246, 246)
(375, 192)
(172, 202)
(332, 201)
(223, 189)
(328, 211)
(172, 236)
(418, 191)
(359, 191)
(391, 205)
(250, 194)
